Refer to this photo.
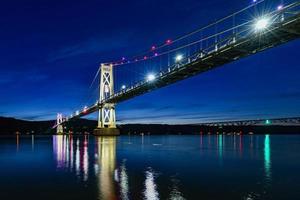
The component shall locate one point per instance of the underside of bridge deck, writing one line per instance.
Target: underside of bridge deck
(274, 36)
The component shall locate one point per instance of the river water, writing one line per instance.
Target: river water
(150, 167)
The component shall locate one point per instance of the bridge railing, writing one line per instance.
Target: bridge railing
(226, 36)
(204, 41)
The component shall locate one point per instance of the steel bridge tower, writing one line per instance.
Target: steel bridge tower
(107, 113)
(59, 122)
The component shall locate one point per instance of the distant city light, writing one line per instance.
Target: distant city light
(178, 58)
(123, 87)
(262, 24)
(77, 112)
(268, 122)
(150, 77)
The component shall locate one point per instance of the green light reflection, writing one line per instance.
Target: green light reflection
(220, 145)
(267, 156)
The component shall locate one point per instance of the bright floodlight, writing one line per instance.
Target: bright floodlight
(261, 24)
(150, 77)
(123, 87)
(178, 58)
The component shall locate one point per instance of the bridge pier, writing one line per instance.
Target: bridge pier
(107, 113)
(106, 132)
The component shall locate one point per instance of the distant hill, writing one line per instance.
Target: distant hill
(10, 126)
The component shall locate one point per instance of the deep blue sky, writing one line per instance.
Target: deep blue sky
(50, 51)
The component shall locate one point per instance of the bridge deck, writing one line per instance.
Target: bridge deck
(276, 35)
(240, 47)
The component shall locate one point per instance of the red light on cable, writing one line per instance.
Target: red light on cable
(168, 41)
(153, 48)
(145, 57)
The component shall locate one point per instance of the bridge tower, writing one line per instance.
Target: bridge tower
(107, 114)
(59, 121)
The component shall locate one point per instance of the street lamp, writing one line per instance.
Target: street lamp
(178, 58)
(261, 24)
(85, 108)
(150, 77)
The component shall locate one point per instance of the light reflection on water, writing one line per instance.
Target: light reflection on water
(63, 149)
(106, 171)
(110, 176)
(267, 158)
(175, 192)
(166, 167)
(150, 192)
(124, 188)
(107, 163)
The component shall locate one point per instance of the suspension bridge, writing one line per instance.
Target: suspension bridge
(248, 31)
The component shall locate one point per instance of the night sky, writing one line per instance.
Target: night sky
(50, 51)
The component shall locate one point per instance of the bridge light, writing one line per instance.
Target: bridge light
(178, 58)
(85, 108)
(168, 41)
(77, 112)
(153, 48)
(261, 24)
(150, 77)
(279, 7)
(123, 87)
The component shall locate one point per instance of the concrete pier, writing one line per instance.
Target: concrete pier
(106, 132)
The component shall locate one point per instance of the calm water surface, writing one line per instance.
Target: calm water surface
(150, 167)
